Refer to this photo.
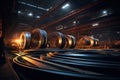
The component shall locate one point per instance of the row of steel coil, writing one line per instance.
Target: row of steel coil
(39, 38)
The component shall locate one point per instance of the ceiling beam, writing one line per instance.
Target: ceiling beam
(71, 14)
(34, 6)
(54, 8)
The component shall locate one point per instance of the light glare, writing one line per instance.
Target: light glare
(104, 12)
(37, 16)
(95, 24)
(30, 14)
(19, 12)
(65, 6)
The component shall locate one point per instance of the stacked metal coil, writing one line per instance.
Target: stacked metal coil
(70, 41)
(56, 40)
(38, 39)
(25, 38)
(89, 41)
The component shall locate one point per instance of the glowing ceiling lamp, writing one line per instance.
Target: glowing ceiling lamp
(37, 16)
(104, 12)
(19, 12)
(30, 14)
(65, 6)
(95, 24)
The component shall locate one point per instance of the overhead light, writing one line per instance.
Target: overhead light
(30, 14)
(104, 12)
(74, 22)
(65, 6)
(37, 16)
(95, 24)
(47, 9)
(19, 12)
(118, 32)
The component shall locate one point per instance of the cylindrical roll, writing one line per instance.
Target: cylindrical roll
(56, 40)
(25, 38)
(38, 38)
(70, 41)
(93, 41)
(90, 41)
(84, 41)
(96, 42)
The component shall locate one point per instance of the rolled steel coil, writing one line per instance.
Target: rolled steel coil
(96, 42)
(87, 40)
(70, 41)
(93, 41)
(38, 38)
(84, 41)
(56, 40)
(25, 38)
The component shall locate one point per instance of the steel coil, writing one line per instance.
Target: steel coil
(84, 41)
(70, 41)
(56, 40)
(38, 39)
(87, 40)
(25, 38)
(96, 42)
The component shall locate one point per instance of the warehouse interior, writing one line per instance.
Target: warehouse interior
(44, 38)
